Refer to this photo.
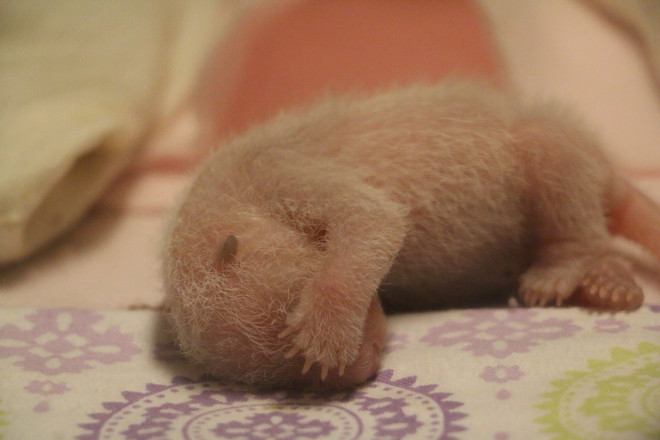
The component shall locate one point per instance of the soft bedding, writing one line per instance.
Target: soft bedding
(474, 374)
(85, 353)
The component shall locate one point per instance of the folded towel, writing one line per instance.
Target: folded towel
(81, 83)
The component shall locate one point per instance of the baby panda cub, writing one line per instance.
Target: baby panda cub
(288, 237)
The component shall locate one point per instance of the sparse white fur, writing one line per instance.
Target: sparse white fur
(434, 195)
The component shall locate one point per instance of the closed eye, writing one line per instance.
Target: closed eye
(319, 236)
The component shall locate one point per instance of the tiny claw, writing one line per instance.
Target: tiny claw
(589, 280)
(615, 297)
(291, 353)
(324, 371)
(307, 366)
(342, 368)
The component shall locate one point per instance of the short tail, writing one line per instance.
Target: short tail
(636, 217)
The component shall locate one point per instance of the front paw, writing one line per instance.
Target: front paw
(329, 336)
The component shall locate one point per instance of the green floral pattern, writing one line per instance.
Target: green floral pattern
(3, 422)
(614, 399)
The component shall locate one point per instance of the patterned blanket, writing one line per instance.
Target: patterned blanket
(568, 374)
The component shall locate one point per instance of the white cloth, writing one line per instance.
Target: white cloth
(80, 85)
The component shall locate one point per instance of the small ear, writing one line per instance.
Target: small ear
(227, 252)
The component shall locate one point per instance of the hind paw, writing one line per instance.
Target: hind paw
(548, 285)
(609, 285)
(544, 292)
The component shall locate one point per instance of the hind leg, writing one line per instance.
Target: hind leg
(556, 273)
(569, 183)
(604, 282)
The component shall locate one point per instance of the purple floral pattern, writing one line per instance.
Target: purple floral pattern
(42, 407)
(64, 341)
(47, 387)
(611, 325)
(499, 333)
(274, 425)
(509, 362)
(501, 373)
(208, 409)
(395, 341)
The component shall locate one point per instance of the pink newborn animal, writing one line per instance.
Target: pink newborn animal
(435, 196)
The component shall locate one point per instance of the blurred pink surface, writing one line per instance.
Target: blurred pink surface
(285, 56)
